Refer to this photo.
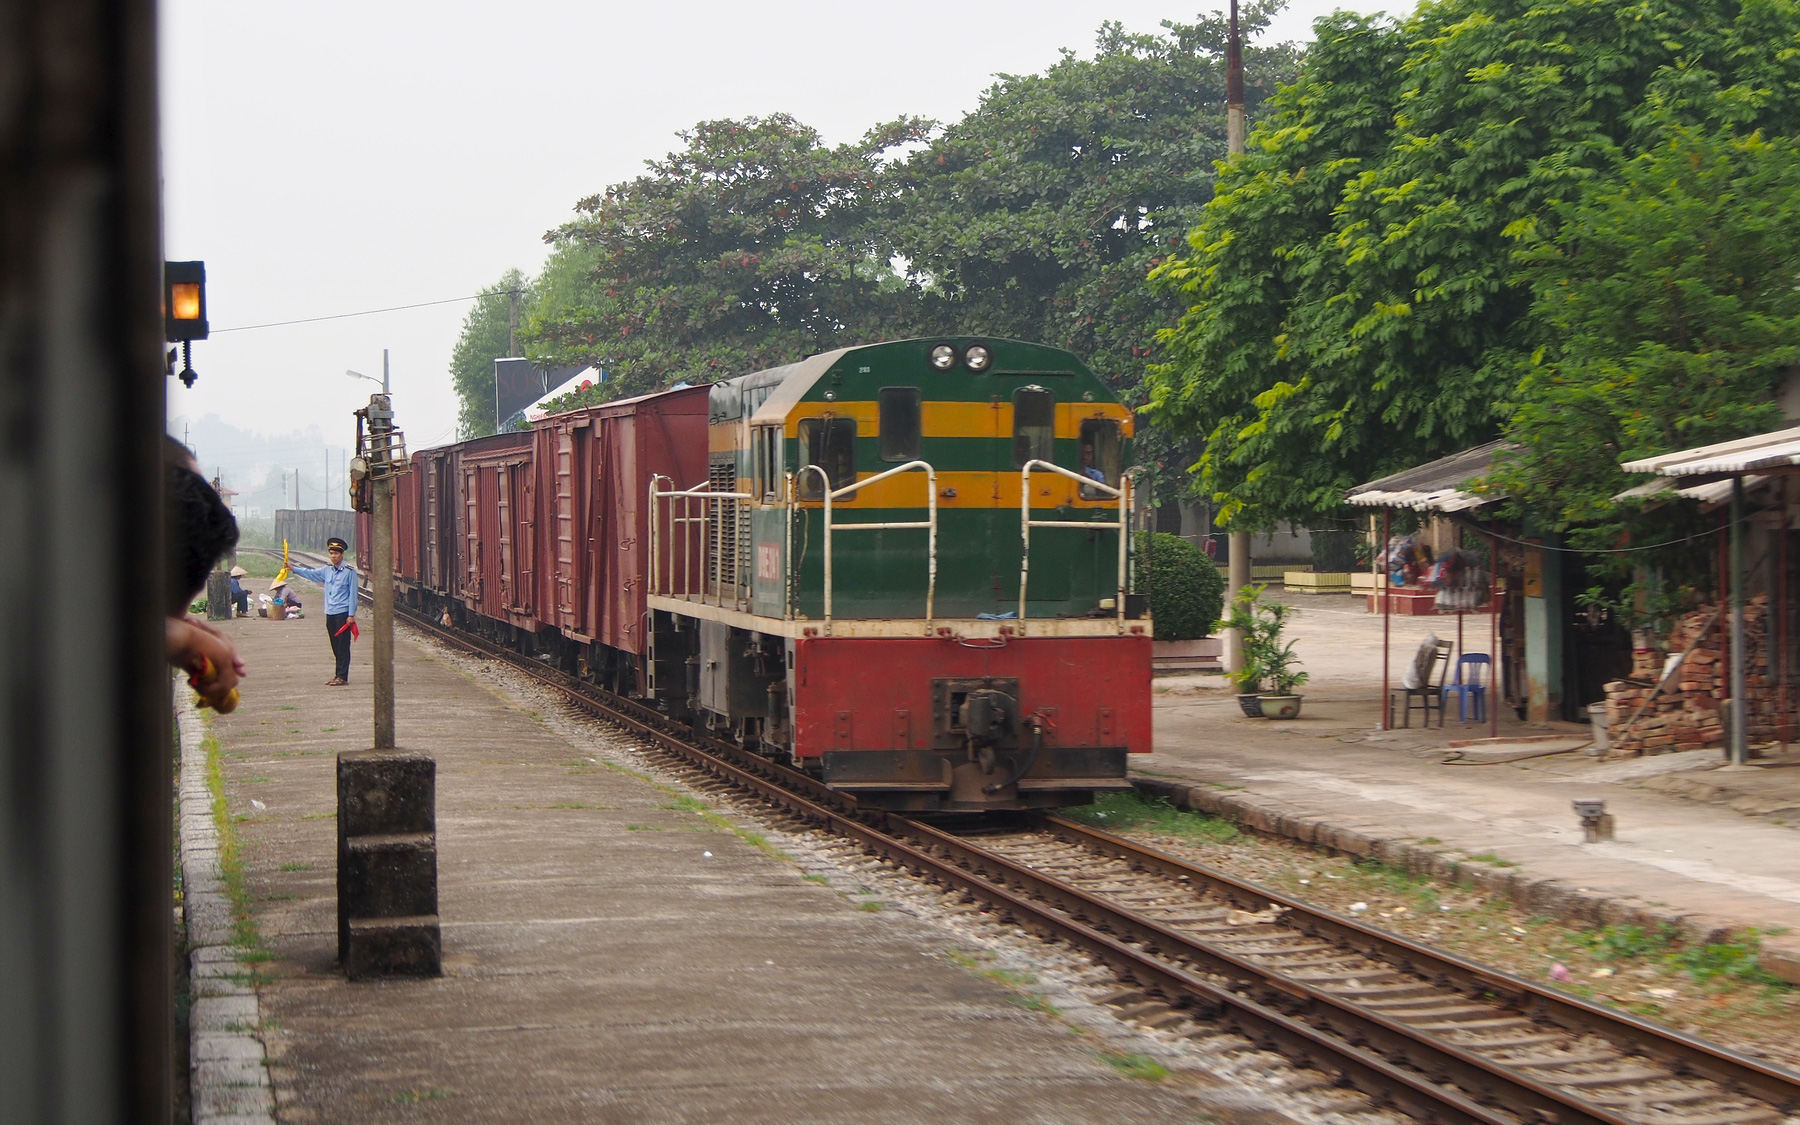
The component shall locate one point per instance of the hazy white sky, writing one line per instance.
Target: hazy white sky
(332, 157)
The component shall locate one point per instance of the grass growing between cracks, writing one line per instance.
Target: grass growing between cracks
(244, 934)
(681, 802)
(1141, 1067)
(1119, 812)
(1016, 982)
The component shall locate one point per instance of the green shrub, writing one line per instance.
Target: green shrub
(1185, 589)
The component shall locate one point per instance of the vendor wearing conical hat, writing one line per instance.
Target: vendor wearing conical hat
(240, 597)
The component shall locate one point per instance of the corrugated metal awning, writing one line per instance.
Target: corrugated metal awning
(1780, 449)
(1710, 493)
(1436, 486)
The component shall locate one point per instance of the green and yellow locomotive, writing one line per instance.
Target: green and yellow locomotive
(908, 569)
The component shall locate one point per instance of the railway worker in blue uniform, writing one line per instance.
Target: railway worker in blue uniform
(339, 581)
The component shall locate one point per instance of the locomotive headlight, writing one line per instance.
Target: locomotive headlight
(977, 358)
(943, 357)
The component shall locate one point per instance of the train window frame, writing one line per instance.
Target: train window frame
(1039, 444)
(901, 438)
(766, 462)
(1102, 445)
(833, 438)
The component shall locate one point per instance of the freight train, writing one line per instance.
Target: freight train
(904, 567)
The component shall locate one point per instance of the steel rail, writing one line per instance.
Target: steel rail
(1683, 1053)
(1358, 1048)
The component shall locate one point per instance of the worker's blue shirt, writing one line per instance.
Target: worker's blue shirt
(339, 582)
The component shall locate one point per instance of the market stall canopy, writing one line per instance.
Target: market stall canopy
(1710, 494)
(1777, 450)
(1436, 486)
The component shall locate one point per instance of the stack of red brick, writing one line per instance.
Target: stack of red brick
(1688, 714)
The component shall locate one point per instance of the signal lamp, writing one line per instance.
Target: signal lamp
(943, 357)
(184, 312)
(978, 357)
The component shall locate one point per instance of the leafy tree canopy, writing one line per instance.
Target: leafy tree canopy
(1668, 291)
(752, 246)
(485, 338)
(1038, 215)
(1357, 306)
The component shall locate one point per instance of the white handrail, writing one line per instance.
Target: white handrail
(706, 495)
(929, 524)
(1026, 523)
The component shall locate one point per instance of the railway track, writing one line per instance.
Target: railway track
(1432, 1035)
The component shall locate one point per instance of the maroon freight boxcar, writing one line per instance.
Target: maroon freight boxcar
(593, 478)
(495, 533)
(538, 539)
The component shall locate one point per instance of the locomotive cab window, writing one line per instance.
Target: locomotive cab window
(1034, 426)
(899, 423)
(765, 458)
(829, 443)
(1100, 455)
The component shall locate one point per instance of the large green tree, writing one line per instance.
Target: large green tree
(749, 247)
(486, 336)
(1357, 305)
(1668, 291)
(1038, 215)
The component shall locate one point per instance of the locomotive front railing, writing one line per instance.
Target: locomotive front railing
(694, 548)
(929, 524)
(1026, 523)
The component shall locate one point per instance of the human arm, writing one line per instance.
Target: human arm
(208, 657)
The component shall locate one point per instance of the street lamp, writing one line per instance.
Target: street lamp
(384, 373)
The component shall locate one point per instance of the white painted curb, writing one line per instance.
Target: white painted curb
(228, 1067)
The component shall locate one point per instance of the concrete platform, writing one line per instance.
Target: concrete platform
(600, 964)
(1707, 849)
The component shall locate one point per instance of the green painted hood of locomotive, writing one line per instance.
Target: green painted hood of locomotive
(882, 574)
(767, 397)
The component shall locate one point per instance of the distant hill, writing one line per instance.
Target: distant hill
(260, 467)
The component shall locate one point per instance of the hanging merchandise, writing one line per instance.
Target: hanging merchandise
(1406, 560)
(1461, 580)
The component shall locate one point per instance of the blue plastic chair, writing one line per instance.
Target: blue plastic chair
(1471, 680)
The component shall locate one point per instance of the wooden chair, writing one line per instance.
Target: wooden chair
(1429, 697)
(1469, 686)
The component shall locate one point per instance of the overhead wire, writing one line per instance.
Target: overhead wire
(348, 315)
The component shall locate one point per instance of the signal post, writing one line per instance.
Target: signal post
(387, 797)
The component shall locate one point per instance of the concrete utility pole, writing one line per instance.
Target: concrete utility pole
(1238, 562)
(381, 559)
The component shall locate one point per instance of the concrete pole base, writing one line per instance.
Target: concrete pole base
(387, 865)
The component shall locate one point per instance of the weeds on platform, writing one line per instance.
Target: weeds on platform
(1127, 811)
(1017, 982)
(1141, 1067)
(681, 802)
(244, 933)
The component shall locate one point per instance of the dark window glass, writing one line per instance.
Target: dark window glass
(771, 446)
(1100, 454)
(899, 423)
(829, 443)
(1034, 425)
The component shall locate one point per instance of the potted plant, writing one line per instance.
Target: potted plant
(1267, 660)
(1252, 627)
(1282, 669)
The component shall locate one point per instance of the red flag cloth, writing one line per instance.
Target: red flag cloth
(355, 633)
